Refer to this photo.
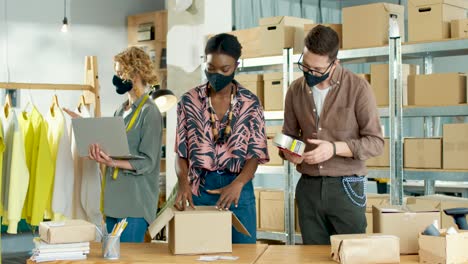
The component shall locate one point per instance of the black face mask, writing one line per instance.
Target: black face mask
(122, 86)
(313, 80)
(219, 81)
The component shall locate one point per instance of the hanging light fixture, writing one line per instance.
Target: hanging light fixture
(65, 19)
(164, 98)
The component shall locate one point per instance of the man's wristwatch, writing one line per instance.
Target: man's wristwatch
(334, 148)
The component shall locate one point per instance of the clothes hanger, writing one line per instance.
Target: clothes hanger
(81, 103)
(29, 103)
(8, 104)
(55, 104)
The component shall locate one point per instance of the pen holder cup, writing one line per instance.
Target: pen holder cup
(111, 247)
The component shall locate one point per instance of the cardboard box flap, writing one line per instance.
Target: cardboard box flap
(421, 3)
(161, 221)
(394, 9)
(236, 223)
(285, 20)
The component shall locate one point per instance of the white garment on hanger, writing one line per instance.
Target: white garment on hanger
(87, 191)
(62, 197)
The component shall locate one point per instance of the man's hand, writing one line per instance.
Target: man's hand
(323, 152)
(228, 195)
(292, 158)
(71, 113)
(184, 195)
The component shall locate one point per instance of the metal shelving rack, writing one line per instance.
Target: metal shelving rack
(431, 115)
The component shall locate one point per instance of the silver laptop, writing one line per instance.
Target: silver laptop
(108, 132)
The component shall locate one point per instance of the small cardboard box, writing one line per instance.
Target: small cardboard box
(441, 202)
(444, 248)
(459, 28)
(423, 153)
(273, 152)
(374, 199)
(404, 222)
(382, 160)
(379, 82)
(364, 248)
(426, 90)
(257, 205)
(68, 231)
(281, 32)
(198, 231)
(372, 31)
(455, 146)
(272, 208)
(250, 41)
(253, 82)
(434, 15)
(273, 93)
(338, 28)
(365, 76)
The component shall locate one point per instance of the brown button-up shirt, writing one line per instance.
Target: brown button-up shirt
(349, 114)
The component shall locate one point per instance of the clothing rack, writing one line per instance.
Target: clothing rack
(90, 88)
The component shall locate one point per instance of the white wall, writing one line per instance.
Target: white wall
(37, 51)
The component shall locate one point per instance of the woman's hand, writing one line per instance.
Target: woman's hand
(95, 153)
(228, 195)
(184, 195)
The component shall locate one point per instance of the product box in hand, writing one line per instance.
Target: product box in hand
(363, 248)
(289, 144)
(198, 231)
(68, 231)
(405, 222)
(446, 248)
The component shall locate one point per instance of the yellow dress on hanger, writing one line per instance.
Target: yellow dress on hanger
(42, 172)
(2, 149)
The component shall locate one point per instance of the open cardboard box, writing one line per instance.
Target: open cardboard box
(198, 231)
(360, 248)
(405, 222)
(444, 248)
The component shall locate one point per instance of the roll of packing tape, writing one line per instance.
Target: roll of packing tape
(290, 144)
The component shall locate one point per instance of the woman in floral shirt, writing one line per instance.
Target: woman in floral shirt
(220, 139)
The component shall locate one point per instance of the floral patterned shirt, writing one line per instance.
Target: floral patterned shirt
(194, 139)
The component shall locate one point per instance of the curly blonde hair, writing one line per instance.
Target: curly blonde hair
(134, 61)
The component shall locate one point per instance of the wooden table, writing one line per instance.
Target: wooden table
(159, 253)
(307, 254)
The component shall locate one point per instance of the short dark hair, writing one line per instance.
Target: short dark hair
(323, 40)
(224, 43)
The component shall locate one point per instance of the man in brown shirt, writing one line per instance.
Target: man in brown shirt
(334, 112)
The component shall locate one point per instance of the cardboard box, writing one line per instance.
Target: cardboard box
(433, 14)
(250, 41)
(382, 160)
(459, 28)
(370, 223)
(253, 82)
(379, 82)
(422, 153)
(426, 90)
(296, 217)
(405, 223)
(68, 231)
(213, 232)
(273, 152)
(444, 248)
(374, 199)
(271, 131)
(363, 248)
(282, 32)
(372, 31)
(337, 27)
(272, 208)
(257, 205)
(365, 76)
(441, 202)
(455, 146)
(273, 93)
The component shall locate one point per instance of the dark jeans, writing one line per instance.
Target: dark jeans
(134, 232)
(325, 208)
(245, 210)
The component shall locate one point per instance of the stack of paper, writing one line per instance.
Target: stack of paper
(52, 252)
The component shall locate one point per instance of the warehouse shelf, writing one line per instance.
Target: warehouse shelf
(270, 170)
(271, 235)
(419, 111)
(274, 115)
(423, 174)
(261, 61)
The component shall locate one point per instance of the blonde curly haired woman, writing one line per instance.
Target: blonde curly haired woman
(132, 186)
